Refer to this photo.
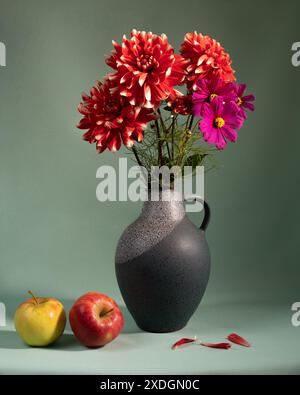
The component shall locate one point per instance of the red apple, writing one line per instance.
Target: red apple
(96, 319)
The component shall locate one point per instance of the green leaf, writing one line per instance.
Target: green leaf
(195, 160)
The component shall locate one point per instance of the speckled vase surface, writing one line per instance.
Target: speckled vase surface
(163, 266)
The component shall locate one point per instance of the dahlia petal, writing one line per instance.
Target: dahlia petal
(199, 70)
(112, 77)
(126, 77)
(85, 97)
(83, 109)
(114, 141)
(137, 111)
(138, 135)
(201, 60)
(89, 136)
(125, 93)
(147, 91)
(220, 346)
(142, 79)
(210, 61)
(183, 342)
(100, 135)
(84, 123)
(100, 149)
(234, 338)
(148, 105)
(154, 79)
(135, 50)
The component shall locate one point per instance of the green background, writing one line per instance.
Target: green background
(55, 238)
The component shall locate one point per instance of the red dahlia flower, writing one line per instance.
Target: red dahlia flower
(146, 68)
(110, 119)
(182, 104)
(206, 58)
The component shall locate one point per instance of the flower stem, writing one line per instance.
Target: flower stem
(160, 155)
(191, 123)
(187, 122)
(182, 149)
(137, 156)
(164, 130)
(168, 149)
(172, 131)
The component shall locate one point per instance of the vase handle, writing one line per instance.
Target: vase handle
(207, 212)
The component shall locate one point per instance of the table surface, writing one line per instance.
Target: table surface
(276, 346)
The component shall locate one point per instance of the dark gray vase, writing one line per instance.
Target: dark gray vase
(163, 266)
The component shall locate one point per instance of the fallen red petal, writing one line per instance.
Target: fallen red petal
(182, 342)
(222, 346)
(234, 338)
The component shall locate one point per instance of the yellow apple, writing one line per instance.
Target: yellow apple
(40, 321)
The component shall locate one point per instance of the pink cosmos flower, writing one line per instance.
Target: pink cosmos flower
(220, 122)
(208, 90)
(244, 102)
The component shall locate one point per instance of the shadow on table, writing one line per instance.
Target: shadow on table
(10, 340)
(130, 326)
(68, 342)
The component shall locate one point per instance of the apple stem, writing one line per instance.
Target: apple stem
(35, 299)
(106, 313)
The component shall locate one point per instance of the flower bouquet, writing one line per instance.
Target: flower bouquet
(140, 106)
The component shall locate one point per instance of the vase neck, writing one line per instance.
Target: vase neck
(168, 207)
